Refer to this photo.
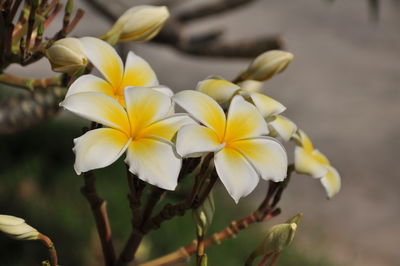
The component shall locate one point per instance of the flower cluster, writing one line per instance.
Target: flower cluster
(234, 122)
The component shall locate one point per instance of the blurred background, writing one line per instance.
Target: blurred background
(342, 89)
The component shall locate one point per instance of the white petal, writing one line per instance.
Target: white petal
(283, 126)
(236, 173)
(99, 148)
(104, 57)
(145, 106)
(305, 163)
(154, 161)
(167, 91)
(195, 140)
(331, 182)
(219, 89)
(99, 108)
(167, 127)
(266, 154)
(138, 73)
(266, 105)
(203, 108)
(244, 121)
(87, 83)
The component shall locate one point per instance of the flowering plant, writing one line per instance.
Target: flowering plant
(227, 131)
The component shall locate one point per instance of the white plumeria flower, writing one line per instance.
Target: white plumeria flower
(241, 153)
(144, 129)
(314, 163)
(137, 72)
(222, 91)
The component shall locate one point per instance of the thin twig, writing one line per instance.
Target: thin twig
(184, 253)
(51, 248)
(99, 210)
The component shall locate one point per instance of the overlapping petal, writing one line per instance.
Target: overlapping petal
(203, 108)
(104, 57)
(99, 148)
(99, 108)
(236, 173)
(219, 89)
(195, 140)
(154, 161)
(167, 127)
(283, 127)
(244, 121)
(305, 163)
(266, 154)
(90, 83)
(303, 140)
(145, 106)
(331, 182)
(266, 105)
(137, 73)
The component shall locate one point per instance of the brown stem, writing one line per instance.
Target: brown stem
(154, 197)
(184, 253)
(136, 187)
(264, 260)
(51, 248)
(274, 259)
(99, 210)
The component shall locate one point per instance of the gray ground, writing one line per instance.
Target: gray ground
(343, 89)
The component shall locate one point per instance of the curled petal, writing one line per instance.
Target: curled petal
(266, 154)
(244, 121)
(331, 182)
(99, 108)
(236, 173)
(99, 148)
(167, 127)
(145, 106)
(104, 57)
(219, 89)
(203, 108)
(283, 127)
(305, 163)
(138, 73)
(90, 83)
(266, 105)
(154, 161)
(193, 140)
(303, 140)
(320, 157)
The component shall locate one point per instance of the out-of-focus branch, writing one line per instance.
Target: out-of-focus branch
(30, 83)
(211, 9)
(25, 110)
(207, 44)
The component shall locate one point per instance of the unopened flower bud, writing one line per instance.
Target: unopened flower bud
(277, 238)
(67, 56)
(139, 23)
(267, 65)
(16, 228)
